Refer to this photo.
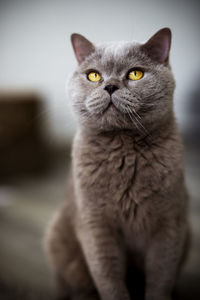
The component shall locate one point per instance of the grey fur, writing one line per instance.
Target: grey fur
(127, 191)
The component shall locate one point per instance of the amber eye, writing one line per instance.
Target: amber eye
(94, 76)
(135, 75)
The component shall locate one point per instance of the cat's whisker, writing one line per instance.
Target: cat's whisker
(145, 130)
(93, 101)
(133, 119)
(136, 113)
(160, 92)
(147, 104)
(136, 116)
(96, 107)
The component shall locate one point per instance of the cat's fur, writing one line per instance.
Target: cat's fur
(127, 202)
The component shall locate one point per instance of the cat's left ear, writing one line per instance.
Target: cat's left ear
(158, 46)
(82, 47)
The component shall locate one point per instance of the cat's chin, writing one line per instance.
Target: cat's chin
(112, 119)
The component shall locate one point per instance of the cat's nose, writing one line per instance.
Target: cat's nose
(111, 89)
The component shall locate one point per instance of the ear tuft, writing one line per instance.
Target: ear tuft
(82, 47)
(158, 46)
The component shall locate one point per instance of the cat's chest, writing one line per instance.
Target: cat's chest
(119, 173)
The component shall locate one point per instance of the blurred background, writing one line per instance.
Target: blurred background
(37, 126)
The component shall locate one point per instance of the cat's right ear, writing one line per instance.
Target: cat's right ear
(82, 47)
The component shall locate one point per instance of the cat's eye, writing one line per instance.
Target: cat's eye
(135, 75)
(94, 76)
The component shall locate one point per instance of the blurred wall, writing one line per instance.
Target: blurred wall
(35, 50)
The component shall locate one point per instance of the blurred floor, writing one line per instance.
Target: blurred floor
(25, 210)
(26, 207)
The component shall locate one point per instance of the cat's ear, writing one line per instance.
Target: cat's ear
(158, 46)
(82, 47)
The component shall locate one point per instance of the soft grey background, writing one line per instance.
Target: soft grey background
(36, 54)
(35, 49)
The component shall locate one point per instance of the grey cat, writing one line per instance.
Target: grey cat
(127, 201)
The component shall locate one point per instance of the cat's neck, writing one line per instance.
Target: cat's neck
(155, 135)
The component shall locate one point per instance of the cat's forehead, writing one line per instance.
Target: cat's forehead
(115, 56)
(116, 50)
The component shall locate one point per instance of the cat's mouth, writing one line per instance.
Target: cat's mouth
(111, 107)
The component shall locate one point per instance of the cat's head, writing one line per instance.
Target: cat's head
(122, 85)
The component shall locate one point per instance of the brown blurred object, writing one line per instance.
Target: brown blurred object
(22, 147)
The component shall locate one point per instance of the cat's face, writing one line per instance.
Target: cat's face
(123, 85)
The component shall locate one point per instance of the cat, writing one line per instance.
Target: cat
(127, 201)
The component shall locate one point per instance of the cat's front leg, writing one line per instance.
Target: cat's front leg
(163, 261)
(105, 258)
